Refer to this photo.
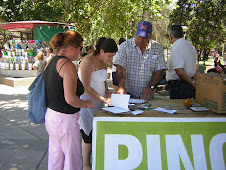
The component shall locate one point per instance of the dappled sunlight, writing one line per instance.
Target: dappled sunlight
(8, 142)
(17, 166)
(14, 167)
(22, 123)
(8, 90)
(13, 98)
(14, 104)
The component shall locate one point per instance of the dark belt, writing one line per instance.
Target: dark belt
(178, 81)
(173, 81)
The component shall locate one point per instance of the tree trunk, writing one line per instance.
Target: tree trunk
(206, 54)
(200, 53)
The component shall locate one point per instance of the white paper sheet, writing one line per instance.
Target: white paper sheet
(116, 110)
(199, 109)
(138, 101)
(165, 110)
(120, 103)
(137, 112)
(120, 100)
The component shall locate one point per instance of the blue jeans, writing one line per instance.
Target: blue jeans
(179, 89)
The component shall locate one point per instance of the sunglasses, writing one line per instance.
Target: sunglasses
(81, 48)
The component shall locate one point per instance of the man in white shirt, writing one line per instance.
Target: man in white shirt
(181, 65)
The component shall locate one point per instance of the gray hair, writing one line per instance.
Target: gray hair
(176, 31)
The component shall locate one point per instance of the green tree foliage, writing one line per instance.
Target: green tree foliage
(92, 18)
(110, 18)
(205, 20)
(23, 10)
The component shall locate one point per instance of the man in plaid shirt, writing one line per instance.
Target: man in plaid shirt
(140, 63)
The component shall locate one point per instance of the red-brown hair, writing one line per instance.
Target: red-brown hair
(64, 40)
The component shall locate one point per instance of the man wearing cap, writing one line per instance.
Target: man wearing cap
(140, 63)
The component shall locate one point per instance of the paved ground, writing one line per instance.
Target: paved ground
(23, 148)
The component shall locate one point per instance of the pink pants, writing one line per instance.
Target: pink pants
(65, 150)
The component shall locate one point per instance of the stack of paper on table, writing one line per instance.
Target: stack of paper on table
(119, 102)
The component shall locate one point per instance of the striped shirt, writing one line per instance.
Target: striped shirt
(139, 67)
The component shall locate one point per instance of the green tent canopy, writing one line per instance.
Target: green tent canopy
(45, 32)
(39, 30)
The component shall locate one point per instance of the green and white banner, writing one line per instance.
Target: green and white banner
(126, 143)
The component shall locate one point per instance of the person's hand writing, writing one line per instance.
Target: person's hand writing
(107, 100)
(147, 94)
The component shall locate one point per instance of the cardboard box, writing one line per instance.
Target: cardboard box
(211, 91)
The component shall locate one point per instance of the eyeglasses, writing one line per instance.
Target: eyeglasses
(81, 48)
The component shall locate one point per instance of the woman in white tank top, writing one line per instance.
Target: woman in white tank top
(93, 74)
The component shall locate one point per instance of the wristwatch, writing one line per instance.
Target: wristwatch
(152, 87)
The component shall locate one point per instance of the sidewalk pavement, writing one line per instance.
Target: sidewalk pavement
(21, 148)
